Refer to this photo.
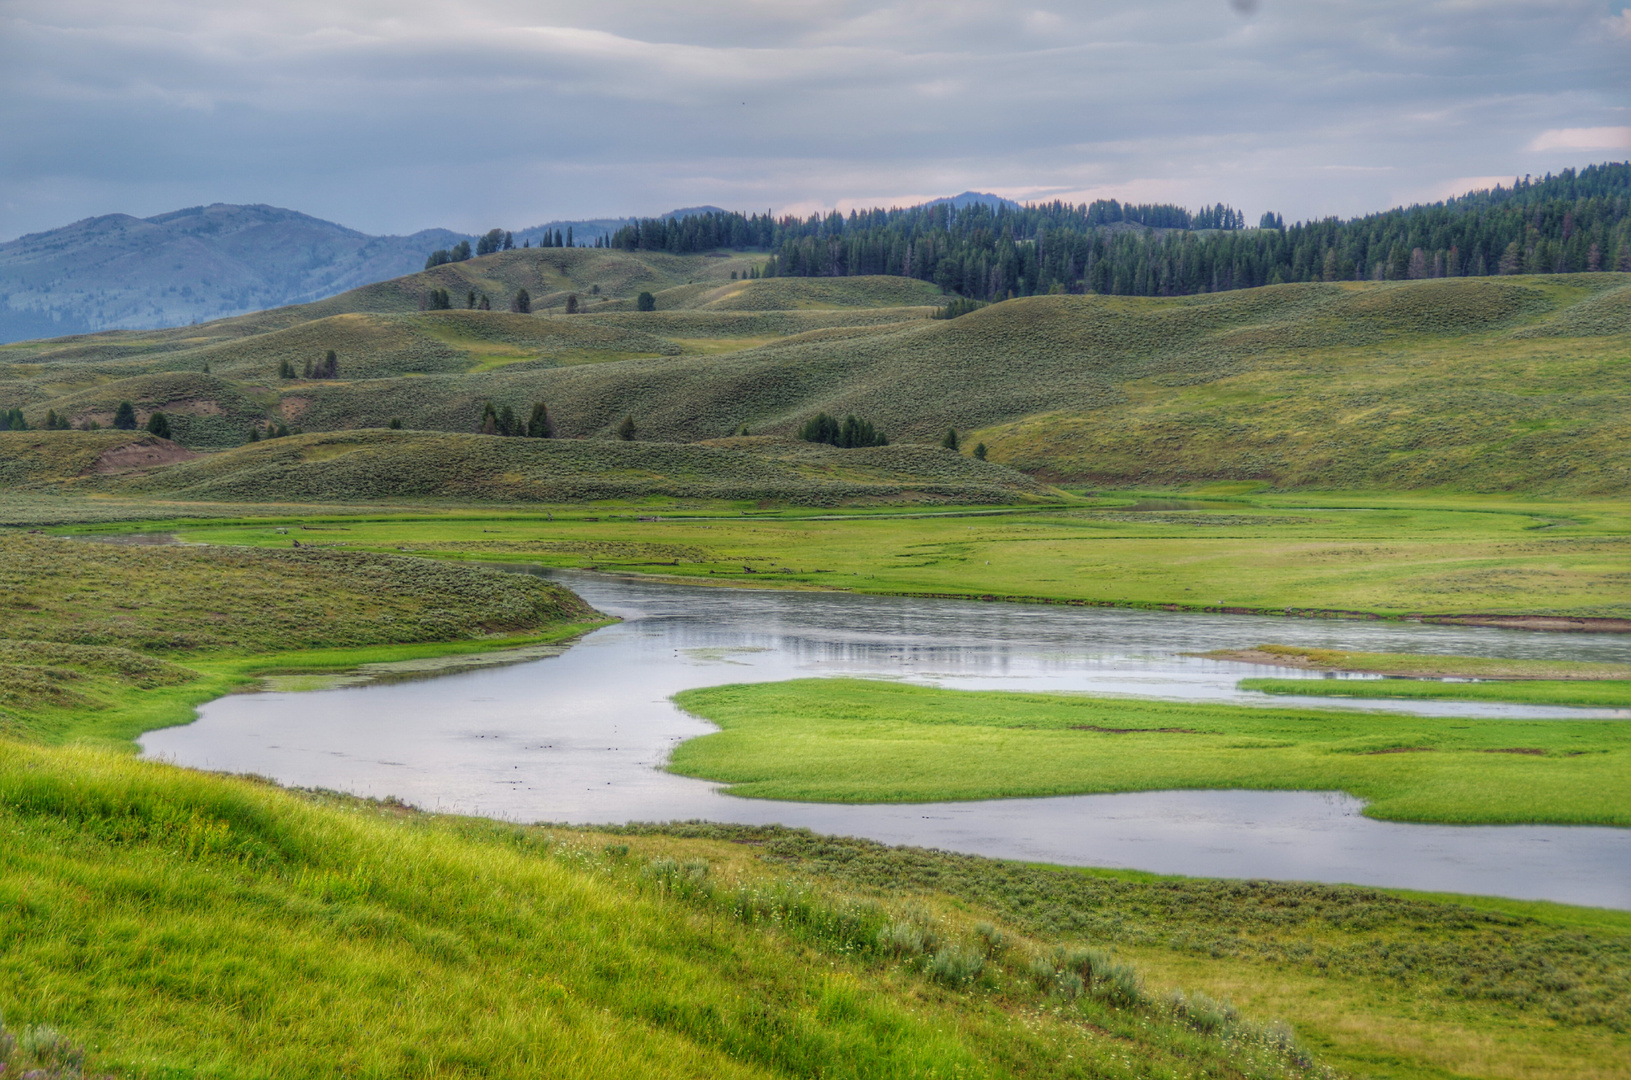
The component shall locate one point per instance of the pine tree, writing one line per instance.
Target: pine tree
(254, 434)
(12, 420)
(489, 420)
(645, 302)
(509, 240)
(506, 422)
(539, 424)
(395, 424)
(571, 303)
(625, 430)
(486, 304)
(979, 451)
(124, 417)
(158, 425)
(569, 236)
(949, 440)
(522, 304)
(307, 374)
(470, 300)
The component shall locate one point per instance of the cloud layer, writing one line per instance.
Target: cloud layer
(391, 117)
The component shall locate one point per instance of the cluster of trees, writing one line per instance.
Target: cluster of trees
(852, 432)
(457, 253)
(494, 240)
(501, 420)
(436, 300)
(275, 429)
(58, 422)
(961, 305)
(326, 368)
(1574, 221)
(12, 420)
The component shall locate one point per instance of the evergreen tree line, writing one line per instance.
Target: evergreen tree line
(852, 432)
(1572, 222)
(12, 420)
(495, 240)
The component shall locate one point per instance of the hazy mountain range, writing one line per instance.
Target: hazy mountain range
(208, 262)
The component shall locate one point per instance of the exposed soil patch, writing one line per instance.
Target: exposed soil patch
(151, 452)
(1531, 750)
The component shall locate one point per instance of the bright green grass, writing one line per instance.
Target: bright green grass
(1387, 984)
(1605, 694)
(1391, 555)
(854, 740)
(188, 925)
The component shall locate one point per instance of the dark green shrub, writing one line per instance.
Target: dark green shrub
(124, 417)
(158, 424)
(645, 302)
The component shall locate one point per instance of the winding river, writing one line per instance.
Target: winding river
(581, 736)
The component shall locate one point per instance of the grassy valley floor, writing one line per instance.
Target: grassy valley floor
(1365, 554)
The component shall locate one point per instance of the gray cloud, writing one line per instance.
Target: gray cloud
(392, 116)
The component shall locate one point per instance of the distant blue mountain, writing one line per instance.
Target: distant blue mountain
(206, 262)
(971, 198)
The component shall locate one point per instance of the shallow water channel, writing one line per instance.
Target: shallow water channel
(581, 737)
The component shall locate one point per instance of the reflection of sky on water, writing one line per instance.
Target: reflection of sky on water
(581, 737)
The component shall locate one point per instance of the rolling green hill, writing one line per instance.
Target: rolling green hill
(362, 465)
(1478, 384)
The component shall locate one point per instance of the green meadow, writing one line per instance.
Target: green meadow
(858, 740)
(1388, 555)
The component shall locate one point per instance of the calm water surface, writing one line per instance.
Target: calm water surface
(581, 737)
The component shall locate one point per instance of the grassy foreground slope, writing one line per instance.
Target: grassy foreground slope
(191, 925)
(1481, 384)
(853, 740)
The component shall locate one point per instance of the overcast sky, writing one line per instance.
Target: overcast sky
(396, 115)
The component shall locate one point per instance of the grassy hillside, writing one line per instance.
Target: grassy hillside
(1492, 384)
(362, 465)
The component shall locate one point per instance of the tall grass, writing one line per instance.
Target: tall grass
(184, 924)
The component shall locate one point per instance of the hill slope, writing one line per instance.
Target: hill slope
(1490, 384)
(361, 465)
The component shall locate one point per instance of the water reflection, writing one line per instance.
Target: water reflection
(581, 737)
